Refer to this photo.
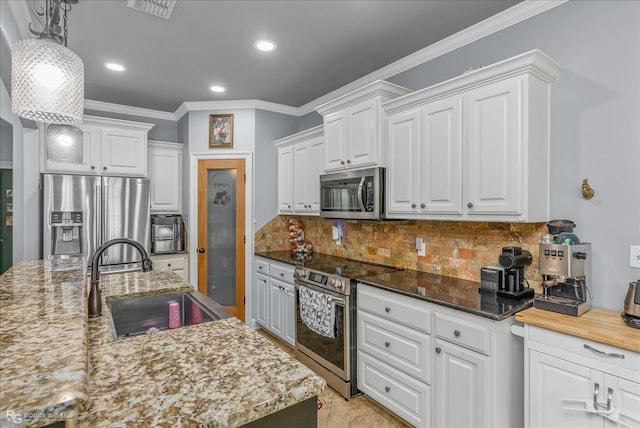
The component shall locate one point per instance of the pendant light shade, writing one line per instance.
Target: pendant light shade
(64, 143)
(47, 82)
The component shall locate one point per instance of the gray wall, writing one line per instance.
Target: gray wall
(6, 141)
(595, 122)
(270, 126)
(164, 130)
(309, 120)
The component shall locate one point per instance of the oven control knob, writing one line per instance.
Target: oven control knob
(301, 273)
(332, 282)
(339, 285)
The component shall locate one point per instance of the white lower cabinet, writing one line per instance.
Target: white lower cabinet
(573, 382)
(435, 366)
(275, 298)
(178, 263)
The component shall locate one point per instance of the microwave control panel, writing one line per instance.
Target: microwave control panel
(369, 199)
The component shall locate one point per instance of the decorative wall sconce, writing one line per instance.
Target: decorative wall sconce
(47, 78)
(587, 191)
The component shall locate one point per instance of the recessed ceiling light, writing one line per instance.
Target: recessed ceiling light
(265, 45)
(115, 66)
(216, 88)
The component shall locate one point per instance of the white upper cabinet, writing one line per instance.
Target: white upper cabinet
(355, 127)
(477, 147)
(165, 174)
(299, 168)
(110, 147)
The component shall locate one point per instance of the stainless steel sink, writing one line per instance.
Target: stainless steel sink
(134, 316)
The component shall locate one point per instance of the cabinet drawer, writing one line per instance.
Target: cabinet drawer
(262, 267)
(399, 393)
(405, 310)
(401, 347)
(579, 350)
(463, 332)
(176, 263)
(282, 272)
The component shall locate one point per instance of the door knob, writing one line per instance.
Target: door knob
(438, 350)
(456, 333)
(201, 250)
(387, 344)
(413, 205)
(422, 205)
(470, 204)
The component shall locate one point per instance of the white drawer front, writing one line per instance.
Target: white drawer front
(579, 349)
(463, 332)
(399, 393)
(401, 347)
(169, 264)
(282, 272)
(406, 310)
(262, 267)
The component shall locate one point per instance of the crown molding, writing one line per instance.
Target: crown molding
(128, 110)
(189, 106)
(316, 131)
(514, 15)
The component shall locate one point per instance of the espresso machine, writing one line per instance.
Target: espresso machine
(566, 271)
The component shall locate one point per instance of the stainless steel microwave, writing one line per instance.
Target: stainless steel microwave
(355, 194)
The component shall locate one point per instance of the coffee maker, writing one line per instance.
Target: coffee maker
(566, 270)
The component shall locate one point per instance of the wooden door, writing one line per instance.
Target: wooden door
(221, 232)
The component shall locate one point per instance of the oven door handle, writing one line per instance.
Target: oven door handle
(360, 196)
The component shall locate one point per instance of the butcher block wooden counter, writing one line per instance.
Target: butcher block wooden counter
(600, 325)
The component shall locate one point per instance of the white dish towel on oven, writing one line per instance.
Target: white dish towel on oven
(318, 311)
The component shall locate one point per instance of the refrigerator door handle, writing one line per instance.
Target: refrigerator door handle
(103, 220)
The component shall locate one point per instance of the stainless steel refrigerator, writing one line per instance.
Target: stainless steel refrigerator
(83, 212)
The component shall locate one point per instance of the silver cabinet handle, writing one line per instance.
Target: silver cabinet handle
(596, 389)
(609, 397)
(456, 333)
(438, 350)
(386, 388)
(606, 354)
(387, 309)
(387, 344)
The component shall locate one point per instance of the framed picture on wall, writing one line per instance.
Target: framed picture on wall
(221, 131)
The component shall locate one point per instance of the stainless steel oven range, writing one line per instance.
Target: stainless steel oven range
(326, 317)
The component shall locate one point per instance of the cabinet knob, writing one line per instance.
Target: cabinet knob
(386, 388)
(288, 206)
(387, 344)
(341, 162)
(169, 264)
(93, 167)
(413, 205)
(348, 161)
(422, 205)
(104, 168)
(438, 350)
(387, 309)
(470, 204)
(201, 250)
(456, 333)
(282, 274)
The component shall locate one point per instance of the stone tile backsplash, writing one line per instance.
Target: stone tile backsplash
(453, 248)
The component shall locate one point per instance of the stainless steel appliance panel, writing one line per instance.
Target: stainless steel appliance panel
(71, 194)
(125, 211)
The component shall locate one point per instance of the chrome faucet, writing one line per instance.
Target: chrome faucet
(95, 299)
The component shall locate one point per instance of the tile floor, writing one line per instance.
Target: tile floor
(336, 412)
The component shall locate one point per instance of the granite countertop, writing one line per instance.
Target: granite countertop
(218, 374)
(455, 293)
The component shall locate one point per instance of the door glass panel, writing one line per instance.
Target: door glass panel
(221, 235)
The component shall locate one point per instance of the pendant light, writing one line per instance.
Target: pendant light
(47, 78)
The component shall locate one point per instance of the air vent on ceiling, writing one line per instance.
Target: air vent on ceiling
(159, 8)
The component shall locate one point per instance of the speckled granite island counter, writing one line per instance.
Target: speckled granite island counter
(217, 374)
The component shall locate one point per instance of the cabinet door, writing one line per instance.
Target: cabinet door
(276, 317)
(123, 152)
(289, 314)
(165, 179)
(314, 169)
(441, 157)
(362, 134)
(403, 172)
(462, 388)
(558, 390)
(493, 143)
(300, 177)
(626, 399)
(90, 154)
(262, 300)
(335, 141)
(285, 180)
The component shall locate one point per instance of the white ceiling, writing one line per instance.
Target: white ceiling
(322, 46)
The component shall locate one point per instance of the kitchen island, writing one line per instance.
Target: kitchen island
(58, 364)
